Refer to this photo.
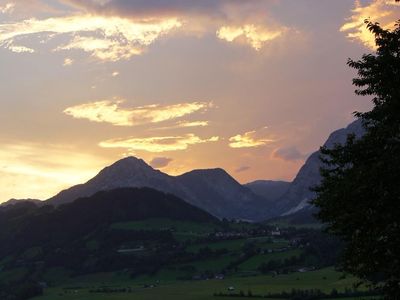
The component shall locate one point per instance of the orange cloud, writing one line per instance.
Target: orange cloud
(157, 144)
(386, 12)
(111, 112)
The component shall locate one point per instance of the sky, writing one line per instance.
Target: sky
(251, 86)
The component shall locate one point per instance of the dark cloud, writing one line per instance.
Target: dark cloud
(160, 162)
(289, 154)
(154, 8)
(242, 169)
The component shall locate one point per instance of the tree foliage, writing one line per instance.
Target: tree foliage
(359, 197)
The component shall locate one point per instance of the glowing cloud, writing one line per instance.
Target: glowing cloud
(111, 112)
(105, 38)
(248, 140)
(253, 35)
(157, 144)
(68, 62)
(386, 12)
(193, 124)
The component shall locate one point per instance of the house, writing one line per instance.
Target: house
(138, 249)
(276, 232)
(306, 269)
(197, 277)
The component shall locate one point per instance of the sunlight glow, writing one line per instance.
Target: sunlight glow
(43, 170)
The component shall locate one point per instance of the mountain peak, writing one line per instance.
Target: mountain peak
(130, 160)
(128, 166)
(127, 172)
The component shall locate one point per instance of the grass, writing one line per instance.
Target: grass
(13, 275)
(254, 262)
(214, 265)
(325, 279)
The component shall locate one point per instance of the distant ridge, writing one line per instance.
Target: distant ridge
(269, 189)
(18, 201)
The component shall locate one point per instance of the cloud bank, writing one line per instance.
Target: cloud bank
(113, 30)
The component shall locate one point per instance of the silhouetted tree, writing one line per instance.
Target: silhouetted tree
(359, 197)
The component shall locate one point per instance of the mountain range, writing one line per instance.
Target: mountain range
(212, 190)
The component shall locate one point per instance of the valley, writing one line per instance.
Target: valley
(182, 254)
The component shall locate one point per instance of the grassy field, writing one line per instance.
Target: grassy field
(254, 262)
(13, 275)
(78, 288)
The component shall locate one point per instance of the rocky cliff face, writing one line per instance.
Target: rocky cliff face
(299, 194)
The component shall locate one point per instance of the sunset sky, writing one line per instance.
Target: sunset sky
(252, 86)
